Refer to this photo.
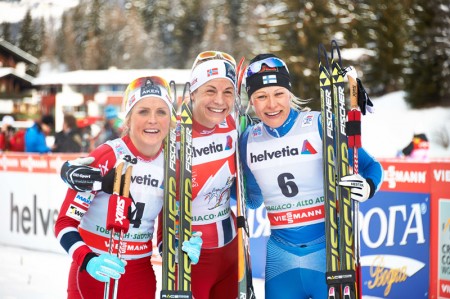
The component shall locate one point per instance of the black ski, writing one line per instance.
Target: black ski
(185, 210)
(168, 283)
(328, 137)
(245, 283)
(346, 240)
(340, 274)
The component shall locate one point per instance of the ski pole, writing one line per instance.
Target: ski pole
(245, 283)
(354, 142)
(117, 217)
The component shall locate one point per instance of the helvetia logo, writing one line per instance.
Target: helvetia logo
(269, 155)
(213, 148)
(308, 149)
(145, 180)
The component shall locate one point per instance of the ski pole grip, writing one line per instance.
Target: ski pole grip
(353, 91)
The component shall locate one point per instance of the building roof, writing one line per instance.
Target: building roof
(16, 51)
(110, 77)
(6, 71)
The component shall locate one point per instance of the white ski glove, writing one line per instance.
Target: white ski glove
(80, 176)
(360, 188)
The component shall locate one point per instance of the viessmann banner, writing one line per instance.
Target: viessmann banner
(395, 234)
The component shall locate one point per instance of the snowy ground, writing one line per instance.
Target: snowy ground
(393, 124)
(40, 275)
(26, 274)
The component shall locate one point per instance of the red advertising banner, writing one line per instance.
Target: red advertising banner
(400, 175)
(440, 230)
(28, 162)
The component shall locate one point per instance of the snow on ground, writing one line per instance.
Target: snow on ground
(40, 275)
(26, 274)
(393, 124)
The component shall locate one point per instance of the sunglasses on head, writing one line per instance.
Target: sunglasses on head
(208, 55)
(256, 66)
(140, 82)
(155, 80)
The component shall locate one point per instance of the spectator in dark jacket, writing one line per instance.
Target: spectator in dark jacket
(35, 135)
(68, 140)
(417, 149)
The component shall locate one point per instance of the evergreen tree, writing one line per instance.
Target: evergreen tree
(148, 9)
(67, 47)
(49, 43)
(136, 43)
(390, 36)
(95, 55)
(293, 30)
(41, 38)
(218, 32)
(80, 30)
(428, 75)
(6, 32)
(188, 33)
(113, 39)
(29, 38)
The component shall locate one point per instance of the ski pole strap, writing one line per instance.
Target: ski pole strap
(340, 277)
(242, 223)
(353, 128)
(117, 217)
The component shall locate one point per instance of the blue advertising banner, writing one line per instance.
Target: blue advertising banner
(395, 233)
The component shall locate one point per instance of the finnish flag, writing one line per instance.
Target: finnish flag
(269, 79)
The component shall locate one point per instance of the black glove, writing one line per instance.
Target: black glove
(364, 101)
(81, 177)
(108, 182)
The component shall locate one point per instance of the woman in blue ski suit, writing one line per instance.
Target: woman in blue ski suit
(283, 166)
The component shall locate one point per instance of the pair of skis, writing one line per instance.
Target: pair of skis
(245, 283)
(340, 213)
(176, 280)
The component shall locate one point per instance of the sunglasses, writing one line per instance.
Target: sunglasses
(256, 67)
(208, 55)
(155, 80)
(140, 82)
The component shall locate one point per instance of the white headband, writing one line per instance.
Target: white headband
(148, 90)
(212, 69)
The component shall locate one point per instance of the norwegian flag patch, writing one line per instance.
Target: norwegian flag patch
(212, 72)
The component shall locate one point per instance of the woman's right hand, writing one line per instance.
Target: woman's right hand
(81, 177)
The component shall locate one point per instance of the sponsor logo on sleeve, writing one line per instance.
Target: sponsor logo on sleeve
(75, 212)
